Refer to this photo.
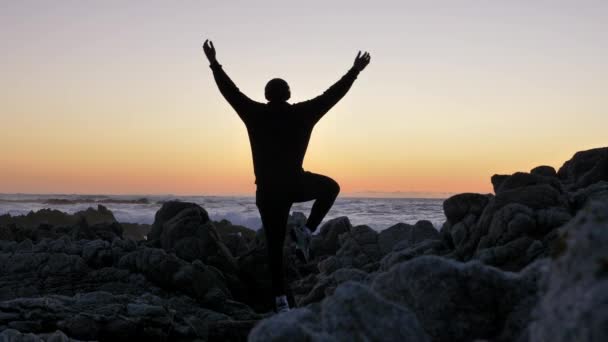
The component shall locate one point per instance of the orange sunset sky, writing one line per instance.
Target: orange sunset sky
(116, 97)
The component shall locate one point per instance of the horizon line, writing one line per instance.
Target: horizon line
(353, 194)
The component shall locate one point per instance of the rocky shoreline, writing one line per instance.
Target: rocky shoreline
(528, 263)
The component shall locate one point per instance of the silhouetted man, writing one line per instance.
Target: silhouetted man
(279, 133)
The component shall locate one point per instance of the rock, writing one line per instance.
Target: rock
(597, 192)
(326, 285)
(585, 168)
(455, 301)
(327, 241)
(508, 223)
(53, 224)
(172, 273)
(100, 216)
(359, 249)
(13, 335)
(497, 181)
(97, 253)
(353, 313)
(459, 206)
(169, 210)
(544, 170)
(135, 231)
(522, 179)
(406, 235)
(399, 255)
(539, 196)
(185, 229)
(533, 197)
(237, 238)
(574, 305)
(101, 315)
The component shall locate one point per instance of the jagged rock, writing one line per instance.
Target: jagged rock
(12, 335)
(406, 235)
(359, 249)
(185, 229)
(106, 316)
(574, 306)
(353, 313)
(534, 197)
(24, 273)
(455, 301)
(53, 224)
(327, 241)
(585, 168)
(172, 273)
(168, 211)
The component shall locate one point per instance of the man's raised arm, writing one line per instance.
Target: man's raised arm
(239, 101)
(321, 104)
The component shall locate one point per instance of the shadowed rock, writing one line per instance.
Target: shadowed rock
(585, 168)
(454, 301)
(574, 306)
(353, 313)
(406, 235)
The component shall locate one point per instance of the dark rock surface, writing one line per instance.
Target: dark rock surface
(525, 264)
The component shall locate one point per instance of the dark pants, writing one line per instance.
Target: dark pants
(274, 206)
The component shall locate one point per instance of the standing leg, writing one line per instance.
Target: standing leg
(323, 190)
(274, 211)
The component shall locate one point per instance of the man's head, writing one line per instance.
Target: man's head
(277, 90)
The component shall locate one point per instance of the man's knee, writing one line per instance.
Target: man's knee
(333, 187)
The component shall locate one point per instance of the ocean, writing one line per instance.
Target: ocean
(378, 213)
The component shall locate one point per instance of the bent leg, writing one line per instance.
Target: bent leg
(274, 211)
(323, 190)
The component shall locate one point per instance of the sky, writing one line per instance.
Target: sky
(114, 97)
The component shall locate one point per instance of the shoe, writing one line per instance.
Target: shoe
(302, 236)
(281, 305)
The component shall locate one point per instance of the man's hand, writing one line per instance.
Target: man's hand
(209, 51)
(361, 61)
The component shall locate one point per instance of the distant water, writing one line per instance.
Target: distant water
(378, 213)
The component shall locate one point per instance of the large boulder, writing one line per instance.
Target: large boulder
(406, 235)
(509, 216)
(585, 168)
(544, 170)
(455, 301)
(169, 210)
(459, 206)
(185, 229)
(574, 307)
(523, 179)
(353, 313)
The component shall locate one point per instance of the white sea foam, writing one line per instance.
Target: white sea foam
(378, 213)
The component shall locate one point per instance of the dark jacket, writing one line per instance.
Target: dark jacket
(279, 132)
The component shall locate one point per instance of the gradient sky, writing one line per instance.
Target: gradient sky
(117, 97)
